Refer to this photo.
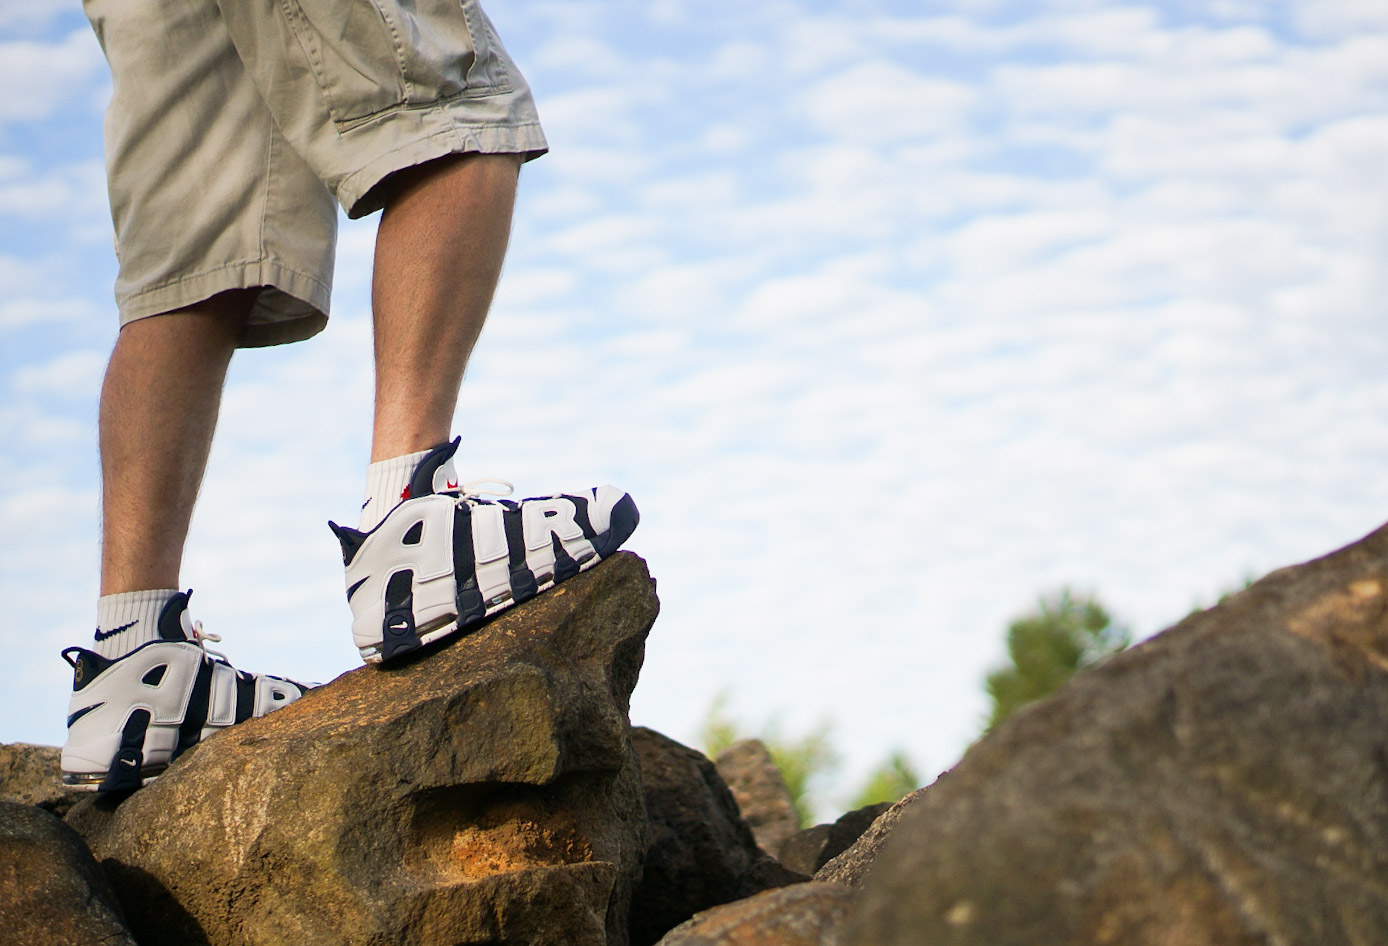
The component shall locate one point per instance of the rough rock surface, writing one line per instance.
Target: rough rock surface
(760, 791)
(802, 915)
(701, 851)
(809, 850)
(1225, 783)
(51, 890)
(851, 865)
(484, 791)
(30, 775)
(802, 849)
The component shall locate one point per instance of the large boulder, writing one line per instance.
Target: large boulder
(51, 890)
(482, 791)
(760, 791)
(1221, 785)
(701, 851)
(31, 775)
(803, 915)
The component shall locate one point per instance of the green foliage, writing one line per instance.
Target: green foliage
(807, 761)
(891, 781)
(1223, 596)
(802, 761)
(719, 730)
(1065, 634)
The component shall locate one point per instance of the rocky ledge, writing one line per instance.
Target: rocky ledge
(1221, 784)
(484, 791)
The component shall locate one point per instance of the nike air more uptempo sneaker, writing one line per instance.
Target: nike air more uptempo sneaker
(445, 558)
(131, 716)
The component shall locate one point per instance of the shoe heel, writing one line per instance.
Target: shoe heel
(398, 633)
(124, 773)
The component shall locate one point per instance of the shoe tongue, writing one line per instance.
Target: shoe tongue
(172, 620)
(435, 473)
(446, 478)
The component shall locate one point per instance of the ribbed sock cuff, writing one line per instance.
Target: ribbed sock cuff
(385, 486)
(127, 620)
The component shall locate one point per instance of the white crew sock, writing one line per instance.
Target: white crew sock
(386, 482)
(125, 621)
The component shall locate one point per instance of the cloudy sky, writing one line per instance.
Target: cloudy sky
(891, 315)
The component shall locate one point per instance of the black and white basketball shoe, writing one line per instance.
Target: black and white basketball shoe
(445, 558)
(133, 715)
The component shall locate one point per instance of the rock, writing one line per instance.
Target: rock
(803, 915)
(30, 775)
(760, 791)
(1223, 783)
(51, 890)
(801, 850)
(767, 872)
(809, 850)
(701, 851)
(482, 791)
(851, 865)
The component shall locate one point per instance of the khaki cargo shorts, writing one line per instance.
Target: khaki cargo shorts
(235, 124)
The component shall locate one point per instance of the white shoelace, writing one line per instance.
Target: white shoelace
(201, 637)
(475, 490)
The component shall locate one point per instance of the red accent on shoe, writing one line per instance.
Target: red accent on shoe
(405, 493)
(451, 486)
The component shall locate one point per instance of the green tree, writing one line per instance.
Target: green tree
(719, 730)
(1223, 596)
(891, 781)
(1065, 634)
(804, 761)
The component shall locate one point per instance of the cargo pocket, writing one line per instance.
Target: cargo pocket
(371, 56)
(455, 51)
(354, 50)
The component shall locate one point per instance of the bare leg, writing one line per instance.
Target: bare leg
(159, 407)
(439, 250)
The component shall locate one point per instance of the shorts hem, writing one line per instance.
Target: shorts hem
(438, 135)
(292, 307)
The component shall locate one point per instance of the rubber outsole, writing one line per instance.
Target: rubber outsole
(91, 781)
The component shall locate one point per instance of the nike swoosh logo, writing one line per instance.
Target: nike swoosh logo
(83, 712)
(103, 635)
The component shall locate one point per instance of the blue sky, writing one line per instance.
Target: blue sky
(890, 315)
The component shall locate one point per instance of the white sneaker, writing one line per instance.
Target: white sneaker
(445, 559)
(131, 716)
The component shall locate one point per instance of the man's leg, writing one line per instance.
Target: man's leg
(438, 256)
(146, 675)
(439, 251)
(159, 407)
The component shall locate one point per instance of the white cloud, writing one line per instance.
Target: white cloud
(29, 15)
(879, 103)
(51, 73)
(63, 191)
(22, 312)
(73, 375)
(1335, 18)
